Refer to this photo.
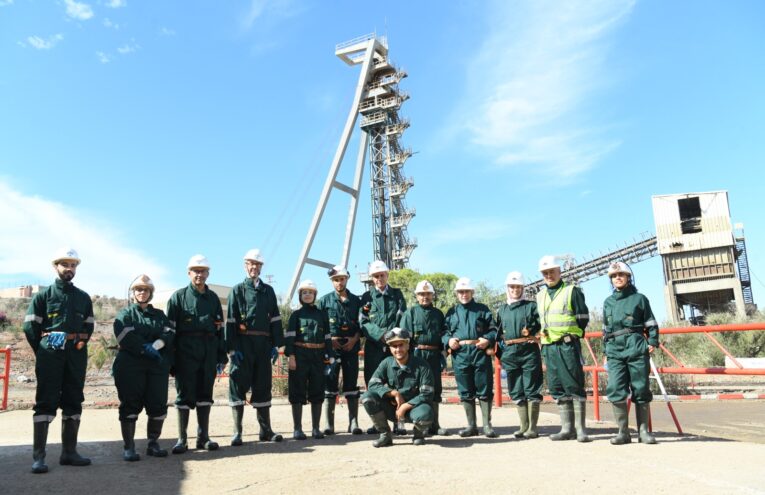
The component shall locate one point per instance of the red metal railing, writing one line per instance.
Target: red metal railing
(5, 376)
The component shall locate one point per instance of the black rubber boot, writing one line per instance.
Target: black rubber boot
(203, 429)
(38, 449)
(181, 446)
(153, 431)
(488, 430)
(418, 437)
(523, 416)
(533, 419)
(128, 439)
(353, 416)
(329, 416)
(622, 418)
(315, 420)
(435, 426)
(297, 422)
(264, 420)
(643, 412)
(69, 455)
(381, 425)
(238, 414)
(580, 418)
(472, 428)
(567, 431)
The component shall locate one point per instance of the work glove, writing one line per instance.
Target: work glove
(274, 355)
(220, 367)
(236, 357)
(150, 352)
(442, 361)
(56, 340)
(501, 345)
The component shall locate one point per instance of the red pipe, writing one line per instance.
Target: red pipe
(6, 376)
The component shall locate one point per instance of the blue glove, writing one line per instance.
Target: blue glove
(442, 362)
(56, 340)
(236, 357)
(501, 344)
(274, 355)
(150, 352)
(220, 368)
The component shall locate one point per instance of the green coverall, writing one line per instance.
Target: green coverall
(414, 382)
(307, 325)
(384, 313)
(521, 361)
(343, 324)
(426, 324)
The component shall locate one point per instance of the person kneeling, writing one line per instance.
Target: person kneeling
(401, 389)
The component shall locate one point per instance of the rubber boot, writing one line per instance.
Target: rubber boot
(297, 422)
(533, 419)
(38, 450)
(238, 413)
(643, 412)
(69, 455)
(264, 420)
(399, 428)
(580, 421)
(621, 416)
(329, 416)
(128, 439)
(472, 429)
(435, 426)
(488, 430)
(203, 429)
(153, 431)
(315, 420)
(182, 445)
(418, 437)
(381, 425)
(523, 415)
(566, 432)
(353, 416)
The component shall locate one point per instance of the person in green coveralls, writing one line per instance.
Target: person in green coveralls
(58, 325)
(342, 308)
(564, 315)
(253, 336)
(197, 316)
(142, 367)
(518, 324)
(381, 309)
(401, 389)
(425, 323)
(470, 335)
(631, 334)
(308, 347)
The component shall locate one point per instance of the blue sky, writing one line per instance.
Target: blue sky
(141, 133)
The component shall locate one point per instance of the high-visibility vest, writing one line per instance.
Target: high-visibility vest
(556, 314)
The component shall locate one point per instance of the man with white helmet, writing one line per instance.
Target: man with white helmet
(142, 367)
(564, 315)
(342, 308)
(381, 309)
(518, 324)
(197, 316)
(631, 334)
(425, 323)
(401, 389)
(58, 325)
(253, 334)
(470, 335)
(308, 347)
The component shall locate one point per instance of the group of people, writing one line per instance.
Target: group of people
(405, 351)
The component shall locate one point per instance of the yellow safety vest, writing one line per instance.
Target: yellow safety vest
(556, 314)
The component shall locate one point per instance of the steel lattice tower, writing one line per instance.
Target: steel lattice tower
(377, 99)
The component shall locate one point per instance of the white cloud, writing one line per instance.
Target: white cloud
(34, 227)
(166, 31)
(116, 4)
(531, 82)
(104, 58)
(275, 9)
(128, 48)
(44, 44)
(108, 23)
(4, 3)
(257, 7)
(78, 10)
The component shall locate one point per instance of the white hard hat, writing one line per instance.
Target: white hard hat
(142, 280)
(338, 271)
(198, 261)
(307, 285)
(254, 255)
(514, 278)
(547, 262)
(66, 254)
(378, 266)
(464, 283)
(619, 267)
(424, 286)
